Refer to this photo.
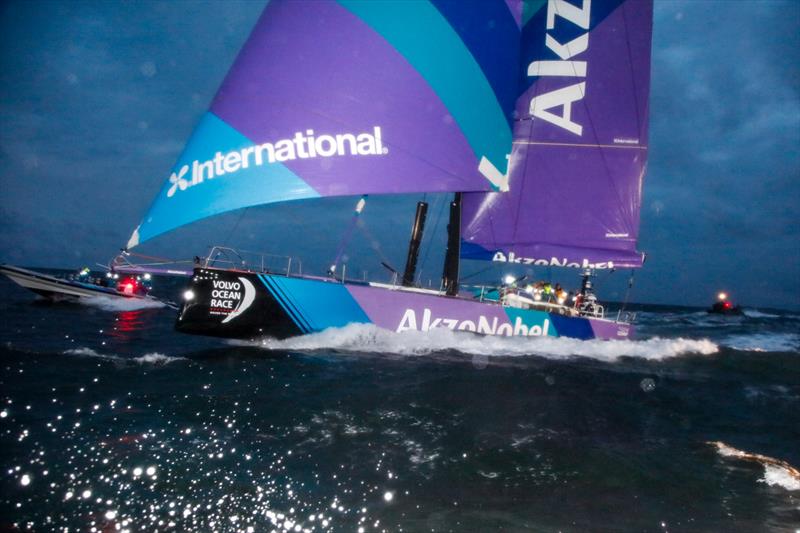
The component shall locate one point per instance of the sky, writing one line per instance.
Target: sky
(98, 98)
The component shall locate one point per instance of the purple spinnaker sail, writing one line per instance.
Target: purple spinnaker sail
(579, 144)
(333, 98)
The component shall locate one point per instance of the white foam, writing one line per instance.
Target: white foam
(764, 342)
(728, 451)
(755, 313)
(776, 472)
(696, 318)
(121, 304)
(154, 358)
(781, 477)
(368, 338)
(87, 352)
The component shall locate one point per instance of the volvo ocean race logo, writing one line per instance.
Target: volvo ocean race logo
(228, 299)
(483, 325)
(301, 146)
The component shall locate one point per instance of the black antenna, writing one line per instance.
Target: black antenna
(450, 274)
(413, 244)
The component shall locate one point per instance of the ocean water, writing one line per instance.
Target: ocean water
(110, 421)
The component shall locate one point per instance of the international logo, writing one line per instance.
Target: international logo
(303, 145)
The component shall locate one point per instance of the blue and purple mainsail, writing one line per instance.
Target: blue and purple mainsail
(334, 98)
(580, 141)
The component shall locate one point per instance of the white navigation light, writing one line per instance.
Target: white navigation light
(147, 276)
(188, 295)
(529, 289)
(509, 279)
(722, 296)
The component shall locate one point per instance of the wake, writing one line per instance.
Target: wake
(153, 358)
(764, 342)
(776, 471)
(368, 338)
(122, 304)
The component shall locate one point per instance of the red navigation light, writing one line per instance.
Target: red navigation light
(727, 305)
(128, 285)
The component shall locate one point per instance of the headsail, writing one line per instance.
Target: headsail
(339, 98)
(580, 141)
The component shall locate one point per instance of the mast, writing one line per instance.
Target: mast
(450, 273)
(413, 244)
(586, 282)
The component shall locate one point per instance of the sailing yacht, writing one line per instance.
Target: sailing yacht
(532, 114)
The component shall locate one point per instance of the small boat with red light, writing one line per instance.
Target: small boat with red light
(84, 284)
(723, 306)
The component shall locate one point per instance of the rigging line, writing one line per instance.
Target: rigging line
(431, 236)
(377, 248)
(155, 258)
(349, 231)
(235, 227)
(491, 266)
(632, 73)
(581, 145)
(628, 291)
(600, 282)
(166, 262)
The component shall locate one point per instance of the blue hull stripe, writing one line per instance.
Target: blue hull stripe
(283, 303)
(291, 304)
(320, 304)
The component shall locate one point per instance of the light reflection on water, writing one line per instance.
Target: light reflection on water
(110, 421)
(110, 453)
